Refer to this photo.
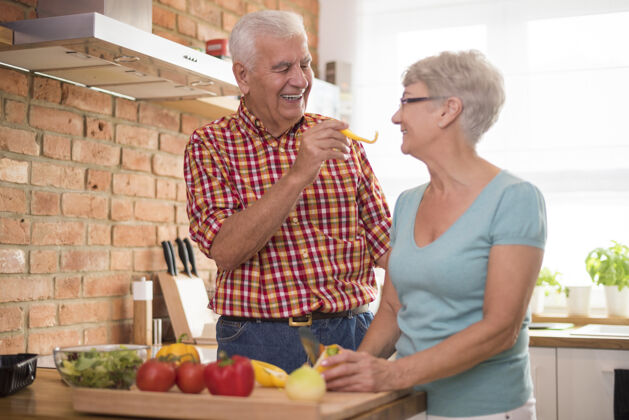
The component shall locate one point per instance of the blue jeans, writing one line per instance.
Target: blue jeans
(278, 343)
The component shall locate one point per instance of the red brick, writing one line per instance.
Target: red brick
(56, 120)
(20, 289)
(12, 200)
(106, 285)
(67, 287)
(171, 37)
(45, 203)
(44, 261)
(166, 232)
(82, 205)
(205, 33)
(12, 344)
(13, 82)
(153, 211)
(86, 99)
(158, 116)
(205, 11)
(166, 189)
(14, 231)
(173, 144)
(49, 175)
(100, 129)
(186, 26)
(126, 109)
(42, 315)
(58, 233)
(121, 260)
(181, 192)
(16, 112)
(98, 234)
(229, 21)
(84, 260)
(94, 336)
(120, 333)
(57, 147)
(12, 261)
(95, 153)
(13, 171)
(250, 8)
(121, 209)
(98, 180)
(47, 89)
(32, 3)
(130, 235)
(176, 4)
(136, 160)
(168, 165)
(189, 123)
(85, 311)
(181, 216)
(42, 342)
(236, 6)
(122, 308)
(149, 259)
(134, 185)
(162, 17)
(18, 141)
(136, 136)
(11, 318)
(11, 12)
(270, 4)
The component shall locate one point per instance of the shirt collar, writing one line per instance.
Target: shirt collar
(256, 125)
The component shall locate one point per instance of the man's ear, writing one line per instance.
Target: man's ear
(450, 110)
(242, 77)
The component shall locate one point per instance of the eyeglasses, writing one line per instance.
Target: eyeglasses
(404, 101)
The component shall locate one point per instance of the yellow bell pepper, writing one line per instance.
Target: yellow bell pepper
(348, 133)
(178, 352)
(331, 350)
(269, 375)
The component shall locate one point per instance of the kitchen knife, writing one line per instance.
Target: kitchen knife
(169, 261)
(193, 263)
(183, 254)
(310, 343)
(172, 256)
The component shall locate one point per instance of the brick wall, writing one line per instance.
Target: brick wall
(90, 185)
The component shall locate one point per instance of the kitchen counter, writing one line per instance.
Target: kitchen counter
(49, 397)
(564, 338)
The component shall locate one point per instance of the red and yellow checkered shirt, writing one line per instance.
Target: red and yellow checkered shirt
(323, 255)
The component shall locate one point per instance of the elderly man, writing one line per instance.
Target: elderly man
(286, 205)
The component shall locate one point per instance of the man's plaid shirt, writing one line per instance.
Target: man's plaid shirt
(322, 256)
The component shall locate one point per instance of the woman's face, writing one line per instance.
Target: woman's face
(417, 118)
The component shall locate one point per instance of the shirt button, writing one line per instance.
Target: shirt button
(294, 220)
(257, 123)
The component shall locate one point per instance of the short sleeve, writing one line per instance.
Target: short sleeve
(520, 217)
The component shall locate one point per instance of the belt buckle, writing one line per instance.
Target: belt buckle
(306, 323)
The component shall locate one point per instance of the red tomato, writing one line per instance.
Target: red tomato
(190, 377)
(230, 376)
(154, 375)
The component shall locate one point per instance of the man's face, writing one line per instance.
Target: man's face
(276, 88)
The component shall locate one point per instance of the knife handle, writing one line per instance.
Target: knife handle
(183, 254)
(193, 263)
(168, 258)
(172, 256)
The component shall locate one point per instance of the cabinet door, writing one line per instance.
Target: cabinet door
(544, 375)
(585, 382)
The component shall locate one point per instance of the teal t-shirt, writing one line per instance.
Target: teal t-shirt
(441, 287)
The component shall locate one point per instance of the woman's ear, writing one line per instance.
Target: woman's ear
(451, 109)
(242, 77)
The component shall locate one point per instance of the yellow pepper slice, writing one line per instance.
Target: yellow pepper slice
(331, 350)
(269, 375)
(348, 133)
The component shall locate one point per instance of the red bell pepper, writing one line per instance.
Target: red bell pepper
(230, 376)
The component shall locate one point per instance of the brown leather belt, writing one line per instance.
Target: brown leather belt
(304, 320)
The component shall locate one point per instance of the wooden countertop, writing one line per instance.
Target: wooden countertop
(49, 397)
(563, 338)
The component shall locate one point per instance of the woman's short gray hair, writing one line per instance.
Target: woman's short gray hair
(276, 23)
(468, 76)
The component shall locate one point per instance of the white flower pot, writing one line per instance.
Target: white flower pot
(578, 300)
(537, 300)
(617, 301)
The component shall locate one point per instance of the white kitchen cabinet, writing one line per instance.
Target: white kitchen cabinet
(585, 382)
(544, 375)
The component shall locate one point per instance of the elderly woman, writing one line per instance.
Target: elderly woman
(466, 250)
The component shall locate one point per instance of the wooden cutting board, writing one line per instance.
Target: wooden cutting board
(263, 403)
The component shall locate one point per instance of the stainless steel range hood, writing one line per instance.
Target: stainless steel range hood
(99, 52)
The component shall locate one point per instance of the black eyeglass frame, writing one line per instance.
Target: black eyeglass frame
(404, 101)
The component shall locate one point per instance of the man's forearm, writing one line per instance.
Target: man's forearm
(244, 233)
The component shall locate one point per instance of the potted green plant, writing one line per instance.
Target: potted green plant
(609, 267)
(546, 279)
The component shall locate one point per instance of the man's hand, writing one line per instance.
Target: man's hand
(322, 142)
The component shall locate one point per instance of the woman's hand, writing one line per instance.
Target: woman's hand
(359, 372)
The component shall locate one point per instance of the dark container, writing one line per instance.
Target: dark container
(16, 372)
